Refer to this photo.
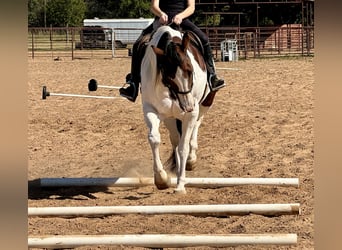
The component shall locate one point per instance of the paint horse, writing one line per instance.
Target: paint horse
(174, 90)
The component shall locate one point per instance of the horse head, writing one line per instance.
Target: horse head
(176, 68)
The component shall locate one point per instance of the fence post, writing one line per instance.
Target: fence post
(51, 41)
(32, 45)
(72, 42)
(113, 43)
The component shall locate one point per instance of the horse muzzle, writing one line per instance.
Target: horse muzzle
(186, 102)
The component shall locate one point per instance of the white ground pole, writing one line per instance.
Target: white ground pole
(227, 68)
(162, 240)
(214, 210)
(145, 181)
(108, 86)
(86, 96)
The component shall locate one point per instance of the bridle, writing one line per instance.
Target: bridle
(167, 80)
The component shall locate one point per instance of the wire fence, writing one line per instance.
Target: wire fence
(95, 42)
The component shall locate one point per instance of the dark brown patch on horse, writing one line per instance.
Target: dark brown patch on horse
(171, 54)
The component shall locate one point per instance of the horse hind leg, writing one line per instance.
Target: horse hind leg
(192, 158)
(190, 164)
(174, 128)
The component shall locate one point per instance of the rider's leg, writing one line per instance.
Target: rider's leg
(214, 82)
(133, 78)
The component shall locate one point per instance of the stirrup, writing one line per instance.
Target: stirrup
(220, 82)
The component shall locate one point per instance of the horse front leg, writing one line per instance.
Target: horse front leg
(161, 179)
(184, 149)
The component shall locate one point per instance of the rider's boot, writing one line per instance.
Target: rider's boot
(214, 82)
(131, 92)
(133, 78)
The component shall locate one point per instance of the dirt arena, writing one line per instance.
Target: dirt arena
(261, 125)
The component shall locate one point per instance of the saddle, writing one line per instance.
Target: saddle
(196, 42)
(143, 41)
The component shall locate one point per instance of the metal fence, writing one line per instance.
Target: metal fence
(252, 42)
(266, 41)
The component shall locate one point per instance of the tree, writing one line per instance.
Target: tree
(35, 13)
(62, 13)
(134, 9)
(99, 9)
(118, 9)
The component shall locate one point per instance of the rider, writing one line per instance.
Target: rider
(177, 12)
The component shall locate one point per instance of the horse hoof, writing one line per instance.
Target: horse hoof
(190, 166)
(180, 191)
(162, 182)
(162, 186)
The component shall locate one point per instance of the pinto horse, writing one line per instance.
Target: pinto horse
(174, 90)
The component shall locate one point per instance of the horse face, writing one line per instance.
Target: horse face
(177, 71)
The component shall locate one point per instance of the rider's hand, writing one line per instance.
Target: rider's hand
(163, 19)
(177, 19)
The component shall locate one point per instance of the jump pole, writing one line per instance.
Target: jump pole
(146, 181)
(215, 209)
(228, 68)
(46, 93)
(161, 240)
(108, 86)
(92, 86)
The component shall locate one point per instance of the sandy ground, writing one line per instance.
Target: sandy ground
(261, 125)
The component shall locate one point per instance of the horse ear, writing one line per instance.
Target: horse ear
(186, 40)
(157, 51)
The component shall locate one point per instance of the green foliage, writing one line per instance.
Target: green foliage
(100, 9)
(61, 13)
(214, 20)
(134, 9)
(118, 9)
(35, 13)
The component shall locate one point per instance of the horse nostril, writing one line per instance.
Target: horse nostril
(189, 109)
